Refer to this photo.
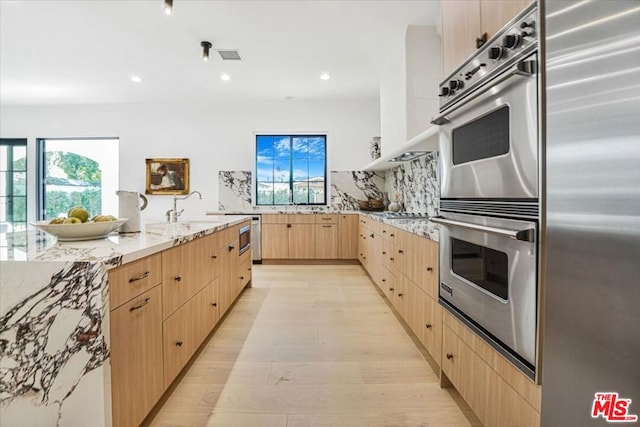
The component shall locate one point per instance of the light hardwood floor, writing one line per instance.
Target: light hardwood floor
(311, 346)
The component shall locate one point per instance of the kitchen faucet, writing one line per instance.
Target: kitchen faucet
(173, 214)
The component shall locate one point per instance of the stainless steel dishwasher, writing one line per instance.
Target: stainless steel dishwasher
(256, 239)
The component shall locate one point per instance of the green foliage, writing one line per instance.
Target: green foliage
(58, 202)
(75, 166)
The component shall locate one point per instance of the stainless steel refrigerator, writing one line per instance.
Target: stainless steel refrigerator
(591, 251)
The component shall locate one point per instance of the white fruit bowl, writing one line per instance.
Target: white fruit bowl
(84, 231)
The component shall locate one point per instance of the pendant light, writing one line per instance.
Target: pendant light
(205, 50)
(168, 7)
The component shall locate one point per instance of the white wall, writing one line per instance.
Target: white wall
(423, 74)
(213, 136)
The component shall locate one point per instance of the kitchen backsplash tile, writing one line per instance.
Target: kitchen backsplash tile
(234, 190)
(347, 187)
(417, 184)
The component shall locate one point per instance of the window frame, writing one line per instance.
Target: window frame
(19, 142)
(291, 136)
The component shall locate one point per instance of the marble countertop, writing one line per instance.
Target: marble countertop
(115, 249)
(316, 211)
(422, 227)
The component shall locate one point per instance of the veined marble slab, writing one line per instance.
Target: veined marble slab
(421, 227)
(417, 184)
(54, 320)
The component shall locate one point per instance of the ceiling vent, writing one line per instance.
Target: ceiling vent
(229, 55)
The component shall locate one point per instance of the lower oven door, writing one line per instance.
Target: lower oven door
(488, 276)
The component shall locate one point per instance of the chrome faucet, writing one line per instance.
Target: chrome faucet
(173, 214)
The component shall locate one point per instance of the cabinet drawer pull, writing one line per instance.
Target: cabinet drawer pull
(429, 268)
(392, 235)
(400, 251)
(142, 304)
(140, 277)
(400, 295)
(428, 325)
(326, 219)
(372, 235)
(177, 278)
(449, 356)
(241, 277)
(231, 247)
(288, 225)
(391, 289)
(384, 252)
(384, 231)
(392, 259)
(326, 226)
(214, 256)
(179, 343)
(214, 304)
(384, 280)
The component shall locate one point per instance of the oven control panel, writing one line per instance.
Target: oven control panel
(516, 40)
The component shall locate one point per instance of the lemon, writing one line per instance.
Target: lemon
(78, 212)
(72, 220)
(56, 221)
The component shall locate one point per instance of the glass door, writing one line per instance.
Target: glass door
(13, 185)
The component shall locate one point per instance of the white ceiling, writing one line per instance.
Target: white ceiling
(74, 52)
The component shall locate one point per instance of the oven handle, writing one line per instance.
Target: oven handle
(525, 235)
(524, 68)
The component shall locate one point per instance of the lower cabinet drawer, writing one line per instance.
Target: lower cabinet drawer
(184, 330)
(132, 279)
(136, 358)
(244, 274)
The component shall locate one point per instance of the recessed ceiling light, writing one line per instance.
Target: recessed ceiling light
(325, 76)
(224, 76)
(168, 7)
(136, 79)
(205, 49)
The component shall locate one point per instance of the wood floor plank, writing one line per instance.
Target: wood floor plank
(311, 346)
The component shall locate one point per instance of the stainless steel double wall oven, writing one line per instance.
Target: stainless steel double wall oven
(489, 189)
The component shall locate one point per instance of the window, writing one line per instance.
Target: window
(78, 172)
(13, 185)
(291, 169)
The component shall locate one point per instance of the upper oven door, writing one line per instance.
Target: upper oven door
(489, 140)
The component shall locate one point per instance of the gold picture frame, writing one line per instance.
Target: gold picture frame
(167, 176)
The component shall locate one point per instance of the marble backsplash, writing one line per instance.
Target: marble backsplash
(416, 183)
(347, 187)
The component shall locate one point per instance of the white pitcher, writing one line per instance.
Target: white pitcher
(130, 208)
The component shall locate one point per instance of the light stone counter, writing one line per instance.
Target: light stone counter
(54, 320)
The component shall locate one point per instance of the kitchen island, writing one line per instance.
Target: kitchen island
(55, 344)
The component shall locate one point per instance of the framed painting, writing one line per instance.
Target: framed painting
(167, 176)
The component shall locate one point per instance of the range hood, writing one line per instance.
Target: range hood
(421, 144)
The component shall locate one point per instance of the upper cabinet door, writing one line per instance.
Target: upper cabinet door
(494, 14)
(460, 28)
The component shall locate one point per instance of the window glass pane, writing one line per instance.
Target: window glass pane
(301, 192)
(282, 148)
(13, 185)
(300, 148)
(317, 148)
(264, 171)
(20, 183)
(80, 173)
(20, 158)
(282, 193)
(265, 193)
(316, 192)
(264, 147)
(281, 170)
(300, 169)
(316, 169)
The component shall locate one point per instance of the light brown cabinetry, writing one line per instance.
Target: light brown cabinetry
(464, 21)
(181, 278)
(130, 280)
(309, 236)
(136, 355)
(477, 371)
(348, 233)
(302, 241)
(326, 241)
